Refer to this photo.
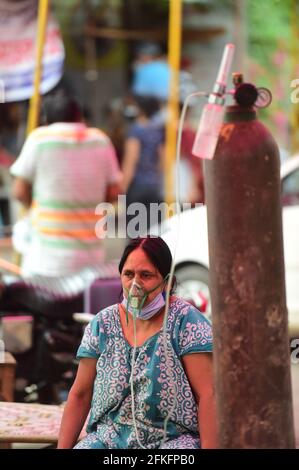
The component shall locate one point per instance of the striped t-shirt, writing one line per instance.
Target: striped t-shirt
(70, 167)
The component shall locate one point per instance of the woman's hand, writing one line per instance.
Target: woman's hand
(78, 404)
(130, 160)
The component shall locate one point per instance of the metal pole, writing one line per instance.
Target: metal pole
(33, 115)
(43, 10)
(174, 55)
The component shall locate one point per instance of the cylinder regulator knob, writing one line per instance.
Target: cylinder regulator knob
(246, 94)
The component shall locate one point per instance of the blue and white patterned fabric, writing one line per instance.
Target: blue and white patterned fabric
(18, 31)
(157, 381)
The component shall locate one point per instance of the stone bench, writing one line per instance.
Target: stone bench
(30, 423)
(7, 376)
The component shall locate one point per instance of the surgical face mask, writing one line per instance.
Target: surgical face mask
(135, 300)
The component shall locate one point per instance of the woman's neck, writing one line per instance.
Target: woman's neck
(144, 328)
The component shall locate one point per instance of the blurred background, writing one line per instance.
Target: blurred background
(91, 51)
(94, 50)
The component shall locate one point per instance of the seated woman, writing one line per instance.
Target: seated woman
(179, 382)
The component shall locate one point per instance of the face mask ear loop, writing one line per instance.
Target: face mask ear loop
(165, 280)
(161, 284)
(150, 291)
(127, 307)
(142, 302)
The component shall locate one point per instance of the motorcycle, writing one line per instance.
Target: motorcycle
(46, 369)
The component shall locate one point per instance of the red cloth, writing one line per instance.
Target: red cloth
(6, 159)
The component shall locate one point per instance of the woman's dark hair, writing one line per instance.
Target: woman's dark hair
(155, 249)
(60, 107)
(148, 48)
(148, 105)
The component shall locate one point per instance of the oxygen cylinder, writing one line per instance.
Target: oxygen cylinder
(247, 283)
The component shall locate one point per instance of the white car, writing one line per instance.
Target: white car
(192, 256)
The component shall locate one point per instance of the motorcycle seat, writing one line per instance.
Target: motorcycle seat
(55, 297)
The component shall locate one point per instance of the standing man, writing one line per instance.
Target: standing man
(64, 171)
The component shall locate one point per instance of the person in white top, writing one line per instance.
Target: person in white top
(64, 171)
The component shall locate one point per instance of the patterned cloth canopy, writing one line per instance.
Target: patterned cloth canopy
(18, 26)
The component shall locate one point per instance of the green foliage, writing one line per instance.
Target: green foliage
(268, 25)
(270, 48)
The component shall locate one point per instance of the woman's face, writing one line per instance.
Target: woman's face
(138, 267)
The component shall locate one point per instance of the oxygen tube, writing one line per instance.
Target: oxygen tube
(136, 297)
(212, 115)
(204, 147)
(199, 143)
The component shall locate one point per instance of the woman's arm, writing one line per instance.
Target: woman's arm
(78, 404)
(130, 160)
(22, 191)
(199, 370)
